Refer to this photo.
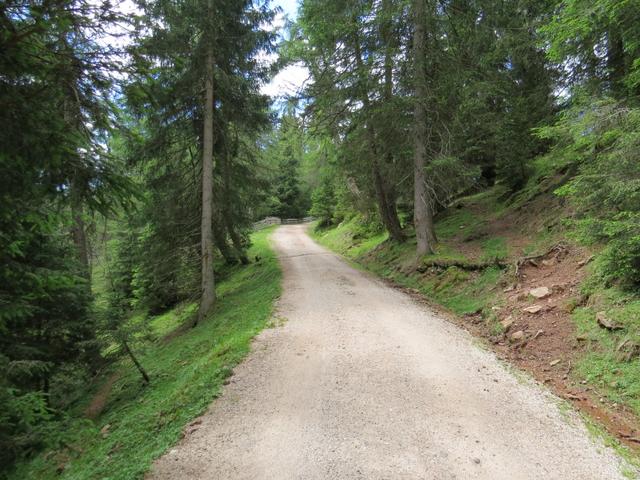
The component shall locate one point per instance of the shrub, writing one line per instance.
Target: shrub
(602, 137)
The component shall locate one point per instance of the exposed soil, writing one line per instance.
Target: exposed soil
(549, 348)
(99, 400)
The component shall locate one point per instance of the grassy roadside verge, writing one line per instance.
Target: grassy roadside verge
(563, 346)
(460, 291)
(187, 372)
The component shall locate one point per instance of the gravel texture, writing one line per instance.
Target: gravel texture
(363, 382)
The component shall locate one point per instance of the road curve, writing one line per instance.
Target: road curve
(361, 382)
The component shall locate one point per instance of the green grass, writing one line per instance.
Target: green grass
(494, 249)
(458, 222)
(603, 366)
(460, 291)
(162, 325)
(186, 372)
(352, 238)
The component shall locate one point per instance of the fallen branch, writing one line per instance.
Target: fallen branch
(558, 248)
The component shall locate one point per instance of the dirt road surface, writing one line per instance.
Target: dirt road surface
(362, 382)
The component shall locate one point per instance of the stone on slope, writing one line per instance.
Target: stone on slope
(606, 322)
(540, 292)
(533, 309)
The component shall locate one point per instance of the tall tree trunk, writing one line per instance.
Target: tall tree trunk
(235, 239)
(226, 214)
(422, 209)
(78, 230)
(386, 205)
(208, 297)
(221, 242)
(393, 220)
(616, 63)
(77, 184)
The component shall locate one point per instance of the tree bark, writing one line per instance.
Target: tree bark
(78, 231)
(422, 208)
(221, 242)
(77, 183)
(236, 240)
(393, 221)
(616, 63)
(207, 300)
(228, 221)
(386, 205)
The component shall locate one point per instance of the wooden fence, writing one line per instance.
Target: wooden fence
(268, 221)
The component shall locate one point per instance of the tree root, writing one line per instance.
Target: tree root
(558, 249)
(468, 266)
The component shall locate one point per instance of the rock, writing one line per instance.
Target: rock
(104, 431)
(507, 323)
(606, 322)
(517, 336)
(533, 309)
(549, 263)
(554, 363)
(540, 292)
(627, 350)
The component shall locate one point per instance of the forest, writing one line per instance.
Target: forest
(137, 150)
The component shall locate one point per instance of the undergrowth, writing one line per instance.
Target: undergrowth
(460, 291)
(139, 423)
(606, 365)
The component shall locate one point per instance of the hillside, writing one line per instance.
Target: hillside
(119, 425)
(509, 271)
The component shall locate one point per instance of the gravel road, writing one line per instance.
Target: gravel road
(362, 382)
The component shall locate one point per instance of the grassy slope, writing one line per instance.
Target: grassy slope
(604, 365)
(460, 291)
(187, 374)
(465, 292)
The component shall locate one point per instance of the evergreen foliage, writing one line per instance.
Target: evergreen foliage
(114, 147)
